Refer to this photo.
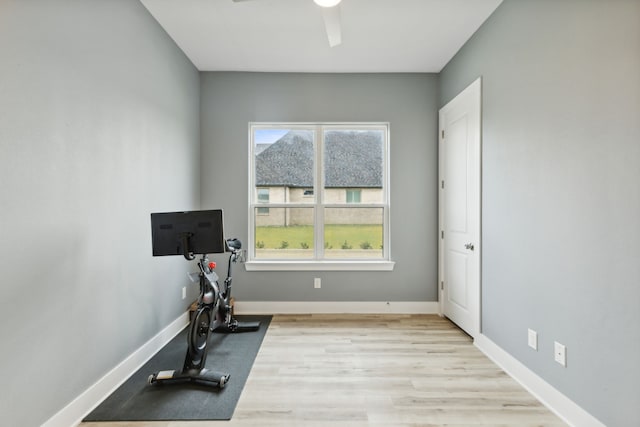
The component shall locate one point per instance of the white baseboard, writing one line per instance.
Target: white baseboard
(334, 307)
(565, 408)
(74, 412)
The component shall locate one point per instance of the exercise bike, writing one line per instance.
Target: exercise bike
(213, 313)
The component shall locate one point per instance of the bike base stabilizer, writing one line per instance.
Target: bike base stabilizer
(234, 327)
(203, 376)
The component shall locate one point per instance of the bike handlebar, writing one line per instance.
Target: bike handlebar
(234, 245)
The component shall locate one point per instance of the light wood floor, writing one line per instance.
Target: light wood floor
(374, 370)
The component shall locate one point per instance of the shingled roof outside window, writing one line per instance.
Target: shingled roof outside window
(353, 159)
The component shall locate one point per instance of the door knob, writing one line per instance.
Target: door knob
(469, 246)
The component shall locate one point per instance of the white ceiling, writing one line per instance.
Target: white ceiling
(289, 35)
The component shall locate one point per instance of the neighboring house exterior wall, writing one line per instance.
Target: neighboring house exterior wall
(304, 216)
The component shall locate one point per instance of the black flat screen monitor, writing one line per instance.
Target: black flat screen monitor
(187, 233)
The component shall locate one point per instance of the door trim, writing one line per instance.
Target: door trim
(475, 88)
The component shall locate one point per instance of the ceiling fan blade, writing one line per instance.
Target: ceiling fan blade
(332, 24)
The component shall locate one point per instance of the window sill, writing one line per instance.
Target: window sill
(319, 265)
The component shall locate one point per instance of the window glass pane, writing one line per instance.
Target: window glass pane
(353, 232)
(284, 163)
(353, 160)
(353, 196)
(284, 233)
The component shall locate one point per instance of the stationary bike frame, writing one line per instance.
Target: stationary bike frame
(213, 312)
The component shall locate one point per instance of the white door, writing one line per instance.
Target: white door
(459, 198)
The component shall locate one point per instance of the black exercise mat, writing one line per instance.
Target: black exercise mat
(232, 353)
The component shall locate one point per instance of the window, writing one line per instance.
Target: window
(263, 197)
(353, 196)
(319, 195)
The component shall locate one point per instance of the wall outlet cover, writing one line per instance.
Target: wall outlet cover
(532, 339)
(560, 353)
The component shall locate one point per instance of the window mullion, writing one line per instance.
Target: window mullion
(319, 192)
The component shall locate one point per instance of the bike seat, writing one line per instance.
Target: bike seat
(234, 244)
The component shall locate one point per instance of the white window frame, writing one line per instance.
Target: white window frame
(319, 263)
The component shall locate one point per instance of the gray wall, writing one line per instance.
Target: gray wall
(561, 195)
(99, 126)
(408, 101)
(100, 122)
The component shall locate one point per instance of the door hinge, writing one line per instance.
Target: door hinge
(442, 132)
(442, 184)
(442, 286)
(442, 234)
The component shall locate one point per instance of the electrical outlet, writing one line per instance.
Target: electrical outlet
(317, 283)
(533, 339)
(184, 292)
(560, 353)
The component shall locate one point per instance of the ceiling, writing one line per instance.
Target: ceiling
(289, 35)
